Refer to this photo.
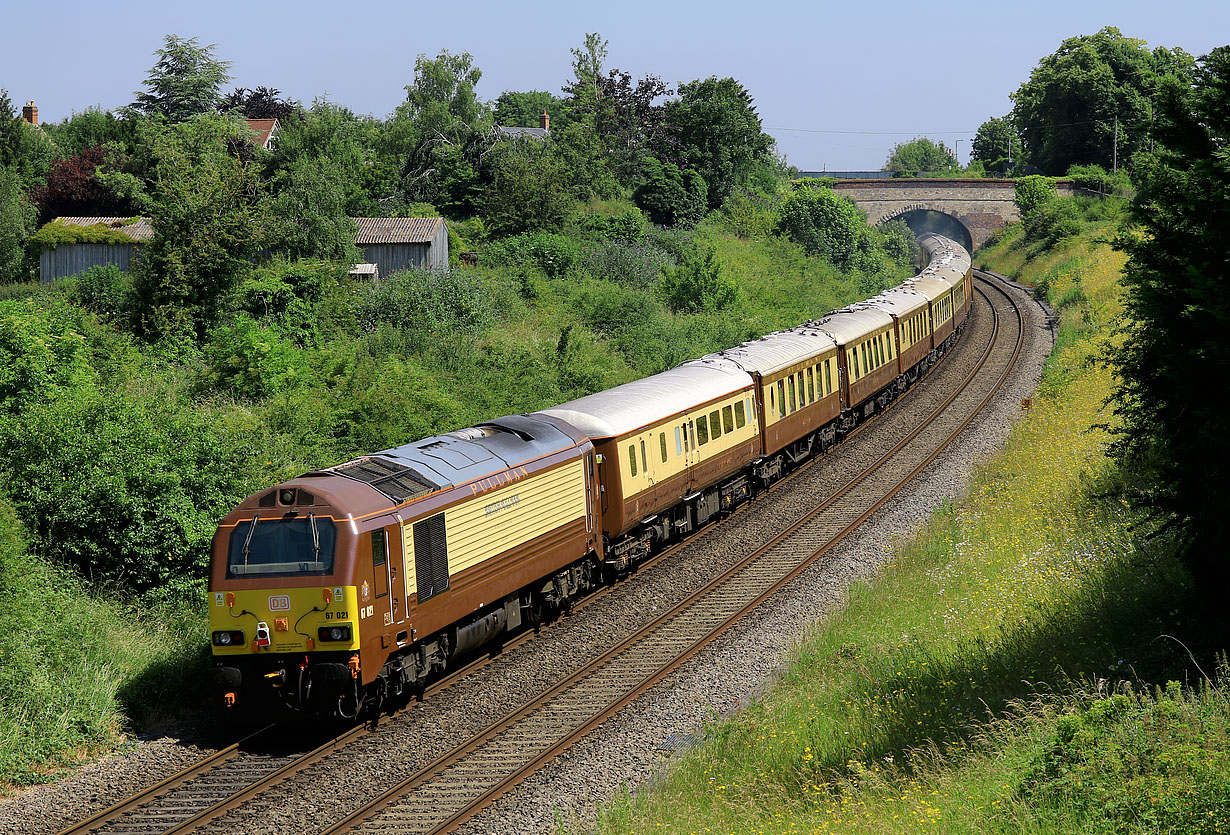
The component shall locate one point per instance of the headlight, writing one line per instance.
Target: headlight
(228, 638)
(334, 633)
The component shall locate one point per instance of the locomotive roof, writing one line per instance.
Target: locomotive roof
(779, 350)
(454, 458)
(623, 409)
(852, 323)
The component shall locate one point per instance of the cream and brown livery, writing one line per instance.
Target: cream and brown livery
(342, 587)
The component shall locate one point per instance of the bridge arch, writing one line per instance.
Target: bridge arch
(923, 217)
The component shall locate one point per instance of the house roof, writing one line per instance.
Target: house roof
(514, 132)
(264, 130)
(396, 230)
(138, 229)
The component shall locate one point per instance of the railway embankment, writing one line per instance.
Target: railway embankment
(1020, 664)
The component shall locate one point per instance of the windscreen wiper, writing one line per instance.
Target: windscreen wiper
(248, 541)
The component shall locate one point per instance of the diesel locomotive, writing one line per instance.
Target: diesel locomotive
(342, 588)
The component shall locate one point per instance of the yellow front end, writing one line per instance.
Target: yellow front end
(283, 621)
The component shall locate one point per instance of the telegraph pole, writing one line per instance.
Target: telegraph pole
(1116, 154)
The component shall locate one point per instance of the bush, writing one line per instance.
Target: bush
(106, 290)
(699, 285)
(251, 362)
(671, 196)
(638, 263)
(824, 223)
(628, 226)
(554, 254)
(1032, 193)
(426, 303)
(1096, 178)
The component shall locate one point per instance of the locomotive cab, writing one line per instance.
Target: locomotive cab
(284, 598)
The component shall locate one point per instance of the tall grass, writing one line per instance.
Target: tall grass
(75, 669)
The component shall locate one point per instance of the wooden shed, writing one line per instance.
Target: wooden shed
(71, 258)
(398, 243)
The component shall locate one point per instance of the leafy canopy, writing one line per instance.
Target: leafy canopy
(918, 157)
(1066, 111)
(184, 82)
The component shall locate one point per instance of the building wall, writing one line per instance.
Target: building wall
(70, 259)
(391, 258)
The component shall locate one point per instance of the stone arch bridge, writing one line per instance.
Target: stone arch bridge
(979, 206)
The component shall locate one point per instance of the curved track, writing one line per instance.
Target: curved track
(456, 786)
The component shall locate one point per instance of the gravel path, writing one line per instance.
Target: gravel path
(629, 749)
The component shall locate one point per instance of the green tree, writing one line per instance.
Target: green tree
(825, 223)
(524, 110)
(1176, 353)
(920, 156)
(1067, 111)
(184, 82)
(719, 131)
(698, 285)
(671, 197)
(210, 218)
(23, 148)
(1033, 193)
(442, 131)
(997, 145)
(531, 187)
(309, 212)
(16, 225)
(357, 149)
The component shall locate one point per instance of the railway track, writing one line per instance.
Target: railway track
(456, 786)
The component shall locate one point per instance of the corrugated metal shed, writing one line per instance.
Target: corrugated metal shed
(617, 411)
(398, 243)
(71, 259)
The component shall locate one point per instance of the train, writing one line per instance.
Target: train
(345, 588)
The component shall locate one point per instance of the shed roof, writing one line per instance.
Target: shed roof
(396, 230)
(136, 228)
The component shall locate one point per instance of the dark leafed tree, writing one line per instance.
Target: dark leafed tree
(261, 103)
(719, 133)
(1176, 355)
(74, 189)
(184, 82)
(1092, 89)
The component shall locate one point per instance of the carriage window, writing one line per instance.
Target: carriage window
(740, 417)
(644, 463)
(678, 442)
(662, 443)
(632, 458)
(802, 391)
(811, 386)
(791, 387)
(857, 374)
(702, 431)
(728, 419)
(781, 399)
(715, 424)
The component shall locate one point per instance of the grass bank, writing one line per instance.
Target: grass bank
(997, 676)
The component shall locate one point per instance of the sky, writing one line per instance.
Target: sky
(836, 84)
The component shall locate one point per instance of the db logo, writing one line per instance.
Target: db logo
(279, 603)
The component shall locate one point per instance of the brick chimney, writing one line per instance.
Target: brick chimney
(544, 121)
(30, 112)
